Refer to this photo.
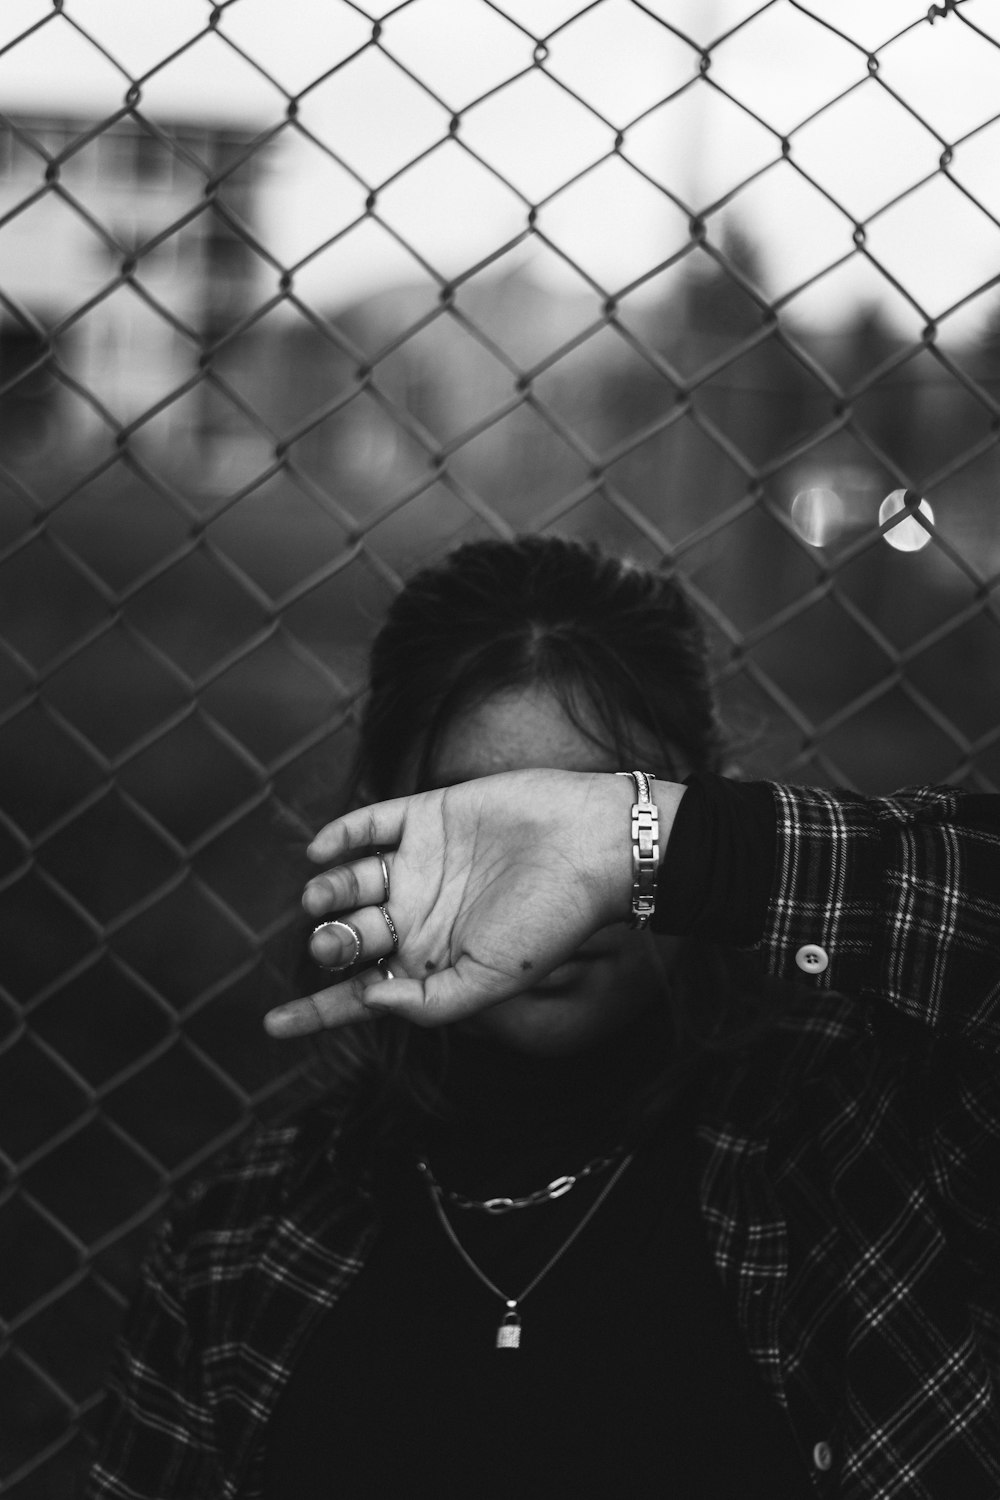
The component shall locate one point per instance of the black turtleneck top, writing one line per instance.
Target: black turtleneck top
(631, 1379)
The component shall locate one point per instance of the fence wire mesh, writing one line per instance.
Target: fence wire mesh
(219, 455)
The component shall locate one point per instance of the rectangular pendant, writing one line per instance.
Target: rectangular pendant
(509, 1332)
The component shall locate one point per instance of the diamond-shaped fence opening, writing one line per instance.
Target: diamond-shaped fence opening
(292, 299)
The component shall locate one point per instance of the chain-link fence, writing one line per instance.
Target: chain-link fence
(707, 282)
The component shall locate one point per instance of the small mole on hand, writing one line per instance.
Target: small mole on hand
(526, 963)
(429, 967)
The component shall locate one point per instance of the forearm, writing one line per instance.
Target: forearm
(506, 876)
(718, 863)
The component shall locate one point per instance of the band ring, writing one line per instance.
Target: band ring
(355, 938)
(385, 873)
(391, 926)
(384, 970)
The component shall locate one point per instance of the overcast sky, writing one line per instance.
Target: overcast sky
(781, 67)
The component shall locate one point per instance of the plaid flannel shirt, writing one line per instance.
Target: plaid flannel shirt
(850, 1185)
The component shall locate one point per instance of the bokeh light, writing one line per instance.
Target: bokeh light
(908, 535)
(819, 515)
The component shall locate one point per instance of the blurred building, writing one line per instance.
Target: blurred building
(123, 248)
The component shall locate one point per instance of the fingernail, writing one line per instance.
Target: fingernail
(314, 899)
(279, 1023)
(327, 949)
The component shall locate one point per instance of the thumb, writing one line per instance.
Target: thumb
(446, 996)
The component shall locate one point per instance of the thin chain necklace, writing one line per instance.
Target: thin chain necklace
(554, 1189)
(508, 1335)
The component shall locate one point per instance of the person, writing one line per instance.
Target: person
(661, 1153)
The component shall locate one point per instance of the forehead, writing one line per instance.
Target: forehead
(518, 729)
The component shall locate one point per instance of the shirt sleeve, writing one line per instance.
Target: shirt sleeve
(900, 895)
(893, 898)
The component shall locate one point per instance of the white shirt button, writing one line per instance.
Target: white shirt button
(812, 959)
(823, 1456)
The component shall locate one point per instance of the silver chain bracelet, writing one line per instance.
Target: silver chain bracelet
(645, 847)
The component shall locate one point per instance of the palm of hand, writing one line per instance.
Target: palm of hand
(488, 899)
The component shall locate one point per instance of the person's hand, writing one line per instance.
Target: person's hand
(493, 883)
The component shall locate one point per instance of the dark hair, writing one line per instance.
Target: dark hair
(604, 635)
(599, 632)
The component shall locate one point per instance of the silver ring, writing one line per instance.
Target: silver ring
(385, 873)
(391, 926)
(384, 970)
(355, 936)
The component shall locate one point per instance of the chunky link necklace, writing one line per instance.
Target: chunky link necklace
(508, 1335)
(554, 1189)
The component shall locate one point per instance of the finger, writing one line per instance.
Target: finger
(441, 998)
(360, 883)
(358, 937)
(336, 1006)
(375, 827)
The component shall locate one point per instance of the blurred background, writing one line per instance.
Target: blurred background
(292, 299)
